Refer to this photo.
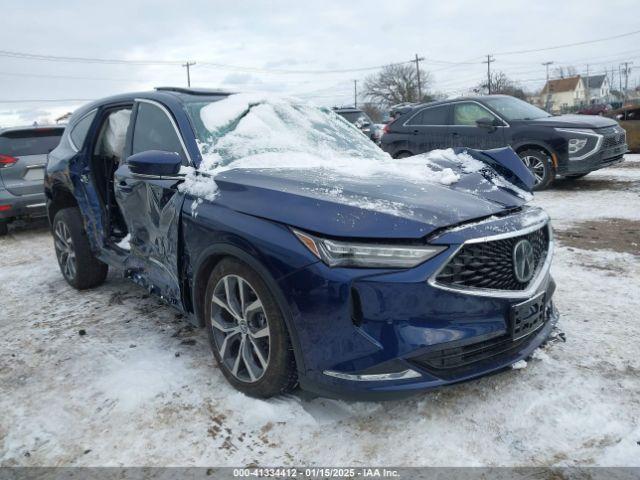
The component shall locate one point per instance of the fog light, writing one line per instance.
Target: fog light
(576, 144)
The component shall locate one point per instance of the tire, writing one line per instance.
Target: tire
(4, 228)
(539, 163)
(404, 154)
(258, 365)
(80, 268)
(577, 176)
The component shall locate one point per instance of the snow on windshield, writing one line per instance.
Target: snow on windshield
(248, 131)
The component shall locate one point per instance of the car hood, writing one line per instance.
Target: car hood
(325, 203)
(574, 121)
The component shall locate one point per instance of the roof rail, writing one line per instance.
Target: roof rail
(194, 91)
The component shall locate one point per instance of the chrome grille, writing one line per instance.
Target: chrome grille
(489, 265)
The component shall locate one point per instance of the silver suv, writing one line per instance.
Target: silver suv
(23, 154)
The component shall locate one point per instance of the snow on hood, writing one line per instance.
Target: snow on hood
(248, 131)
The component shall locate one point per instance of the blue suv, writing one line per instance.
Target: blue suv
(308, 255)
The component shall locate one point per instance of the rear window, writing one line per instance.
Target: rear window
(21, 143)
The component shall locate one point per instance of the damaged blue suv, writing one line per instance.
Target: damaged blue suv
(310, 256)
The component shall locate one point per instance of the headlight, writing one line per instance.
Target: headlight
(582, 142)
(347, 254)
(576, 144)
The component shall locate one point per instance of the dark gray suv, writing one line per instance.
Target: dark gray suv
(568, 145)
(23, 154)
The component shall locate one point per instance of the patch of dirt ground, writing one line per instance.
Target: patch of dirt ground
(617, 234)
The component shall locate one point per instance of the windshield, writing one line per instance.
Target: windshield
(313, 144)
(511, 108)
(250, 127)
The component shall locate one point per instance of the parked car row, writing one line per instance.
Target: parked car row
(361, 120)
(567, 145)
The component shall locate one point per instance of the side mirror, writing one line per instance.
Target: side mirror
(487, 122)
(155, 163)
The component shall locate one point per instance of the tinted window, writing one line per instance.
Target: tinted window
(30, 142)
(469, 113)
(154, 131)
(431, 116)
(79, 132)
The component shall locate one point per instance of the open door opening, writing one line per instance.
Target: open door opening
(105, 160)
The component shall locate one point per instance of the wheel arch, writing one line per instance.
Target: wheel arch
(205, 264)
(57, 199)
(537, 145)
(400, 152)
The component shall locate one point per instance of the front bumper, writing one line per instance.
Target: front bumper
(24, 206)
(366, 335)
(596, 161)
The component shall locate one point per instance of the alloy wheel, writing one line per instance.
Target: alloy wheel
(64, 250)
(240, 328)
(535, 166)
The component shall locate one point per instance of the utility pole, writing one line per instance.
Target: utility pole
(626, 81)
(489, 61)
(418, 60)
(355, 94)
(548, 99)
(587, 94)
(187, 65)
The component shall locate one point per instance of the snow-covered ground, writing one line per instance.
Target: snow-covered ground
(113, 377)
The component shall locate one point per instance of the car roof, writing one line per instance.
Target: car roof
(181, 94)
(31, 128)
(476, 98)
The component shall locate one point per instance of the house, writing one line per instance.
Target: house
(597, 88)
(563, 94)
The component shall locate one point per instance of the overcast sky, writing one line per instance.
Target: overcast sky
(268, 38)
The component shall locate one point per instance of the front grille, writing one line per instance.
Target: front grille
(454, 362)
(489, 265)
(613, 137)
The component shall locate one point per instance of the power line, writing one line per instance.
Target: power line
(586, 42)
(120, 61)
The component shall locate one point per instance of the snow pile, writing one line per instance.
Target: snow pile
(249, 131)
(125, 243)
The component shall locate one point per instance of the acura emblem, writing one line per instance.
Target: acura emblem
(523, 261)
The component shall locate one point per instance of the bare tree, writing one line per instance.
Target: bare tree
(565, 71)
(397, 84)
(501, 84)
(374, 111)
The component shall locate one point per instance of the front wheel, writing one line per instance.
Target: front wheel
(79, 266)
(539, 164)
(247, 331)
